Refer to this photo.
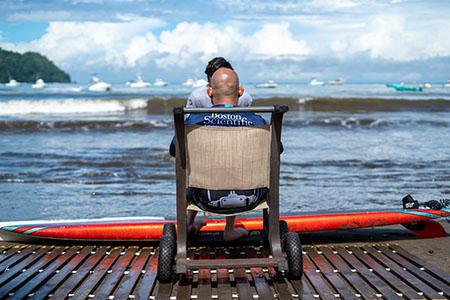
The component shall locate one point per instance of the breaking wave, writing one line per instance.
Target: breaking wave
(164, 105)
(69, 106)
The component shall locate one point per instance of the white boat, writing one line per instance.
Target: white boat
(40, 84)
(338, 81)
(315, 82)
(98, 86)
(267, 85)
(12, 83)
(139, 83)
(159, 83)
(447, 84)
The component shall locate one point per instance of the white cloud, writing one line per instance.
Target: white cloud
(277, 40)
(391, 37)
(193, 42)
(93, 43)
(133, 43)
(128, 43)
(335, 4)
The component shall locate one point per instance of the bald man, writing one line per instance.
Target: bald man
(199, 97)
(224, 91)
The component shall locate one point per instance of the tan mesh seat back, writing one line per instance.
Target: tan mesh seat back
(227, 158)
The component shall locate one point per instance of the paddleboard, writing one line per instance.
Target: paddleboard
(419, 221)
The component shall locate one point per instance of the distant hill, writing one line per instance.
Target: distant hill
(28, 67)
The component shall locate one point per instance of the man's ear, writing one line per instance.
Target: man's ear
(241, 90)
(210, 92)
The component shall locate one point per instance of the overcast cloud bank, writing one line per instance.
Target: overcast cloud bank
(357, 40)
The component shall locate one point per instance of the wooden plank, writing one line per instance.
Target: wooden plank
(371, 275)
(164, 291)
(259, 279)
(343, 288)
(31, 271)
(79, 274)
(15, 255)
(422, 264)
(280, 285)
(43, 276)
(60, 275)
(124, 290)
(303, 289)
(223, 279)
(184, 287)
(423, 275)
(403, 274)
(204, 278)
(96, 276)
(110, 281)
(7, 252)
(353, 278)
(243, 287)
(388, 276)
(145, 286)
(378, 283)
(26, 258)
(317, 280)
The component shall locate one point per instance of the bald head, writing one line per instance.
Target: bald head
(224, 87)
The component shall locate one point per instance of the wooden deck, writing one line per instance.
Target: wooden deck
(371, 271)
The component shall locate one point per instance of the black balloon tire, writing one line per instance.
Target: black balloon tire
(166, 257)
(284, 229)
(293, 249)
(169, 230)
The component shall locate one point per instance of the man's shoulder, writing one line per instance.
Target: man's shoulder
(199, 98)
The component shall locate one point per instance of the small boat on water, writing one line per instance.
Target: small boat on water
(159, 83)
(39, 84)
(138, 83)
(12, 83)
(447, 84)
(267, 85)
(427, 85)
(315, 82)
(401, 87)
(98, 86)
(338, 81)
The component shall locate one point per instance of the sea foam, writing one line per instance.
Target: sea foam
(69, 106)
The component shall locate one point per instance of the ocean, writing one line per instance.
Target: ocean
(69, 153)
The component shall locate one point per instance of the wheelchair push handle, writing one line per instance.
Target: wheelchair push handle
(253, 109)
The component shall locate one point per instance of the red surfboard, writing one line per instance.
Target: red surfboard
(419, 221)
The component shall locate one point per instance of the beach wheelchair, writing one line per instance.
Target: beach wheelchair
(204, 160)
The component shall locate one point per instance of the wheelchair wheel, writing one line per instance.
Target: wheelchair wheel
(169, 230)
(283, 229)
(166, 257)
(293, 248)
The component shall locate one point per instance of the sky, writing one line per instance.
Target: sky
(287, 41)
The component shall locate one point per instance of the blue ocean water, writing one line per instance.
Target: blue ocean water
(69, 153)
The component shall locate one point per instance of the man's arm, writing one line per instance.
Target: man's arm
(190, 100)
